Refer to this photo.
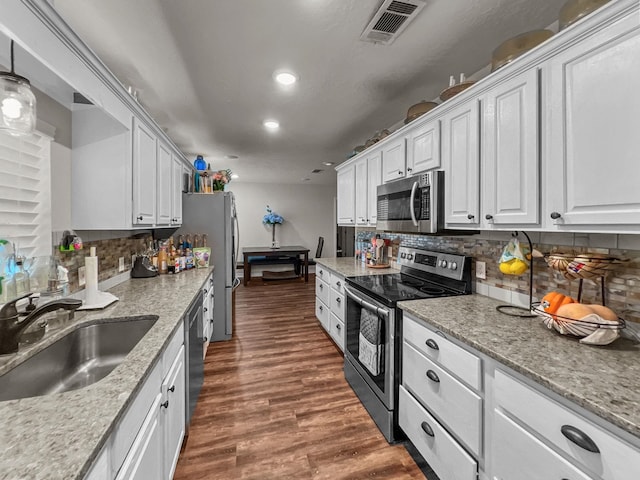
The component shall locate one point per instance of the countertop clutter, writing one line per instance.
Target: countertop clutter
(58, 436)
(602, 380)
(350, 267)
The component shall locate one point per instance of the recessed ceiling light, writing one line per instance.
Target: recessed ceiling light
(231, 157)
(235, 175)
(328, 164)
(271, 124)
(285, 78)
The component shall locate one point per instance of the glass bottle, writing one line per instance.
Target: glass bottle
(162, 260)
(21, 277)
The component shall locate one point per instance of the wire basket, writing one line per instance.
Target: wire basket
(593, 327)
(582, 265)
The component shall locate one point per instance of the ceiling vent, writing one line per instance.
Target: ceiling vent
(390, 20)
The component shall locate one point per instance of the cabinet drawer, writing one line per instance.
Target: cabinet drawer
(322, 291)
(173, 347)
(447, 458)
(322, 313)
(337, 282)
(337, 304)
(463, 364)
(519, 455)
(456, 406)
(617, 460)
(322, 273)
(337, 330)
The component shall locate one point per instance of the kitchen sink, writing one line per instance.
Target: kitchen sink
(80, 358)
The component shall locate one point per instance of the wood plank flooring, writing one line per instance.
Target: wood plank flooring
(275, 404)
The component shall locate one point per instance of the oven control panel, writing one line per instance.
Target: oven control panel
(445, 264)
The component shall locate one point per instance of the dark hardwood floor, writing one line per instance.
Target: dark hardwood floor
(275, 404)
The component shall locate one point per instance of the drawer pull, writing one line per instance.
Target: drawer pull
(321, 287)
(427, 429)
(165, 404)
(438, 332)
(579, 438)
(339, 284)
(338, 301)
(320, 307)
(173, 388)
(555, 215)
(338, 326)
(433, 376)
(431, 343)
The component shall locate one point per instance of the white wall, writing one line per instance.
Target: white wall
(308, 212)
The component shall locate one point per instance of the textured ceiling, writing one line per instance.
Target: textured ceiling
(203, 69)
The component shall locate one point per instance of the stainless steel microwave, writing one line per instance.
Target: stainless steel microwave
(412, 205)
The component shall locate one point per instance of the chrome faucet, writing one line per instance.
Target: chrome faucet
(11, 327)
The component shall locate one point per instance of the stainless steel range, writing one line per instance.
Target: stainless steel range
(373, 322)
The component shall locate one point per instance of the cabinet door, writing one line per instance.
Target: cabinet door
(374, 178)
(346, 195)
(165, 184)
(510, 160)
(424, 148)
(144, 460)
(176, 192)
(394, 160)
(144, 174)
(461, 161)
(361, 183)
(173, 389)
(518, 454)
(593, 120)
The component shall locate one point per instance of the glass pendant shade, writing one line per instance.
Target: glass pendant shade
(17, 105)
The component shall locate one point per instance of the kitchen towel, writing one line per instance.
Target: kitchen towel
(370, 346)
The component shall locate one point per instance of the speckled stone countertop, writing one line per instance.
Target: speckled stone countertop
(58, 436)
(350, 267)
(603, 380)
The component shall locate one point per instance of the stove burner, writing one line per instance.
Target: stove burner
(432, 290)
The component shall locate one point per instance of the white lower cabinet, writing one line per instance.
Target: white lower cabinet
(330, 303)
(144, 460)
(518, 455)
(441, 451)
(146, 442)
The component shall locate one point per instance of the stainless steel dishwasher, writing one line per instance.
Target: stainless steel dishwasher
(194, 345)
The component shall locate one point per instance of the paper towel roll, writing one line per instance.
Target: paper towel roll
(91, 278)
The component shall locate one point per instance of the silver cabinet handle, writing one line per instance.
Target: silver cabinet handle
(426, 428)
(580, 438)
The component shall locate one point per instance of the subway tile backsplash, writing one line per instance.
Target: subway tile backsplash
(622, 285)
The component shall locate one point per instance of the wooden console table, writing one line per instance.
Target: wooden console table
(293, 251)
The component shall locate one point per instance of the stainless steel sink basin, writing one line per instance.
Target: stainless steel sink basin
(76, 360)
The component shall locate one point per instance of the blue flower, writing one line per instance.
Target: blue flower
(271, 218)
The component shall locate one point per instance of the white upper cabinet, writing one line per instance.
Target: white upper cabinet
(144, 174)
(593, 130)
(361, 183)
(164, 192)
(394, 159)
(374, 178)
(423, 151)
(176, 191)
(346, 195)
(510, 157)
(461, 162)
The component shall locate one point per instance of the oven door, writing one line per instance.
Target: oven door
(382, 383)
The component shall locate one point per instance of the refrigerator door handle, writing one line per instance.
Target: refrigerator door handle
(236, 283)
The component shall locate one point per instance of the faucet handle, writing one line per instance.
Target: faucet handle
(9, 309)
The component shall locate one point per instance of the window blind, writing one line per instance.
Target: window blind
(25, 192)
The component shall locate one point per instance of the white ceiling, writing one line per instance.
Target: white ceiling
(203, 69)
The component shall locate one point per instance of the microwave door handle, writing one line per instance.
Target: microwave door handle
(414, 188)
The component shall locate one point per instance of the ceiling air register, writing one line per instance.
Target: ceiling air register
(390, 20)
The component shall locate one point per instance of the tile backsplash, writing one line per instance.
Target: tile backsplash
(622, 284)
(108, 250)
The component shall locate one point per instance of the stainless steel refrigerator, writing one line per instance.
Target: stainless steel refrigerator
(215, 215)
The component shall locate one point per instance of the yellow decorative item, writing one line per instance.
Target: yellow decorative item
(513, 260)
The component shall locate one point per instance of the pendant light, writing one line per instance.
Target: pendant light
(17, 103)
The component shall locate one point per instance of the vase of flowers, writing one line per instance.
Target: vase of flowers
(273, 219)
(219, 179)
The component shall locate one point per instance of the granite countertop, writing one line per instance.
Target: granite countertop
(58, 436)
(603, 380)
(350, 267)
